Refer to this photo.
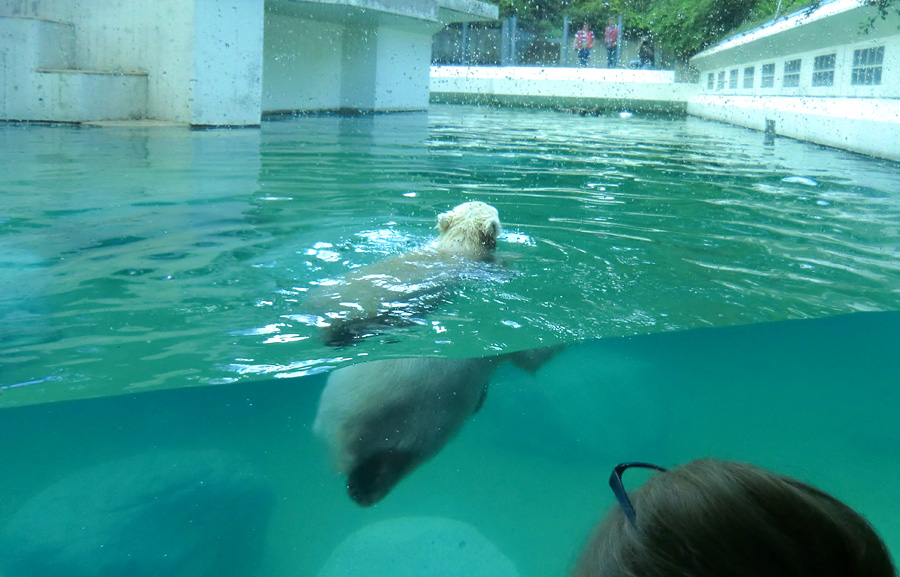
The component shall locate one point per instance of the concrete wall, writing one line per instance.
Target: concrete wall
(846, 123)
(198, 56)
(218, 62)
(860, 118)
(226, 86)
(619, 89)
(120, 35)
(354, 55)
(889, 88)
(301, 64)
(37, 80)
(403, 65)
(351, 63)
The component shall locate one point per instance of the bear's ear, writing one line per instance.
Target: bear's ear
(444, 221)
(490, 230)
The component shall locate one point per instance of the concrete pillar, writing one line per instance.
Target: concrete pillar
(464, 45)
(513, 40)
(385, 68)
(359, 55)
(619, 44)
(226, 85)
(504, 42)
(296, 51)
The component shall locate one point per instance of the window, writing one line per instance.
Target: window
(748, 76)
(767, 80)
(721, 83)
(792, 73)
(867, 66)
(733, 78)
(823, 70)
(710, 81)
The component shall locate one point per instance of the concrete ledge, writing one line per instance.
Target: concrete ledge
(602, 88)
(865, 125)
(466, 11)
(30, 43)
(385, 11)
(98, 72)
(72, 97)
(554, 73)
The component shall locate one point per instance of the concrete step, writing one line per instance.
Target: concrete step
(89, 95)
(34, 43)
(39, 79)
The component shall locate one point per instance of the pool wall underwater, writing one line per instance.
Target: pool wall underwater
(815, 399)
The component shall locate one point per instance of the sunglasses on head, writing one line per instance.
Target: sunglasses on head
(618, 489)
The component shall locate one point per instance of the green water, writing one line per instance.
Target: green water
(143, 258)
(816, 399)
(709, 307)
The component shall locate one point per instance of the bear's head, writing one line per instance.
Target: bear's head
(470, 230)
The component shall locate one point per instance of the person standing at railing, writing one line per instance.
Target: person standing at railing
(584, 41)
(645, 53)
(612, 42)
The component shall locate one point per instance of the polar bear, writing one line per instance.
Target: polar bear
(382, 419)
(469, 230)
(396, 290)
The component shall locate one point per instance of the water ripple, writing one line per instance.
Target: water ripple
(177, 260)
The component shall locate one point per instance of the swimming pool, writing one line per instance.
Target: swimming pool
(142, 259)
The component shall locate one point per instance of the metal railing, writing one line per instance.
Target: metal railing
(509, 43)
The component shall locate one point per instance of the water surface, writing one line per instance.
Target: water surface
(142, 258)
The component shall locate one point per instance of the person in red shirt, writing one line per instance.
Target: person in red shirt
(612, 42)
(584, 41)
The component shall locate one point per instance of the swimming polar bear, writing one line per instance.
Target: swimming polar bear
(396, 290)
(469, 230)
(382, 419)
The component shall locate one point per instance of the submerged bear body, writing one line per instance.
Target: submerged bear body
(382, 419)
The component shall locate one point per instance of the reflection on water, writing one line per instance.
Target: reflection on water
(136, 259)
(522, 483)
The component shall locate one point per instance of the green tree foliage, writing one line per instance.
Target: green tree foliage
(885, 8)
(685, 27)
(681, 27)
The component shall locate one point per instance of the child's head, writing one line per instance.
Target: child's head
(711, 518)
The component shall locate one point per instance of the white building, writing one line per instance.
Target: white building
(814, 77)
(217, 62)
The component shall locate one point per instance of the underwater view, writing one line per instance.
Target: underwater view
(174, 302)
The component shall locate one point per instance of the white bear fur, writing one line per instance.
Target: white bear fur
(412, 283)
(469, 231)
(382, 419)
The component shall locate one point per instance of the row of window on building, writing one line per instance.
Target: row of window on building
(866, 71)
